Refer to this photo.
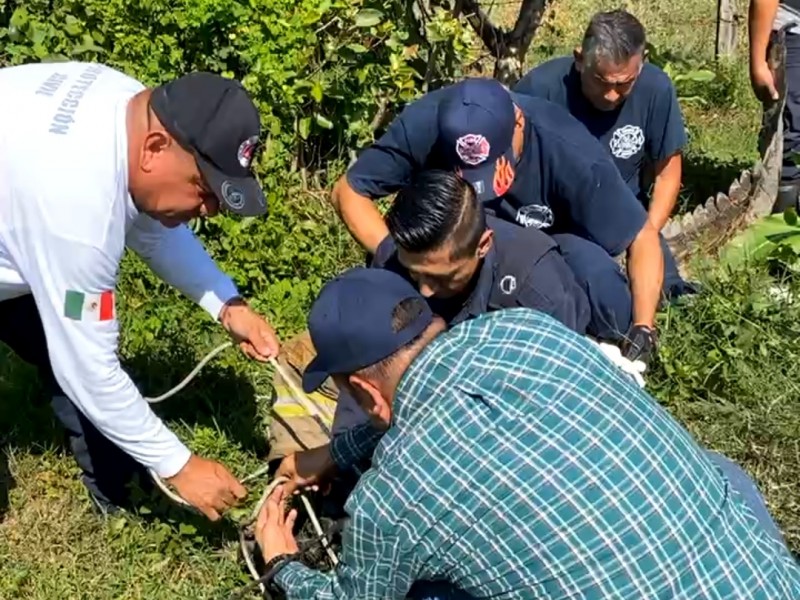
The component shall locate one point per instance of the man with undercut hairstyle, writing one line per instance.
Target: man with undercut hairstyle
(466, 263)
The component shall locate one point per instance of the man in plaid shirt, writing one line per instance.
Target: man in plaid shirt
(516, 461)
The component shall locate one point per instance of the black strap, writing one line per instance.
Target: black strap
(274, 566)
(794, 4)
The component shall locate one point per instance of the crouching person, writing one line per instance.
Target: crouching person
(466, 263)
(511, 460)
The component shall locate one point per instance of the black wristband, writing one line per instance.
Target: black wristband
(276, 563)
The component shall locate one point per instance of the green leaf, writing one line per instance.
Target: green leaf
(55, 58)
(357, 48)
(87, 45)
(700, 75)
(323, 122)
(316, 92)
(20, 18)
(790, 216)
(369, 17)
(38, 35)
(305, 127)
(186, 529)
(759, 240)
(72, 26)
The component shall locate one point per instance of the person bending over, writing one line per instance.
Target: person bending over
(514, 460)
(535, 165)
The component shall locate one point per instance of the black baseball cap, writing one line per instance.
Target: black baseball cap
(476, 121)
(214, 118)
(350, 322)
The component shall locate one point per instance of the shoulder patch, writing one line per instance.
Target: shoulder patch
(82, 306)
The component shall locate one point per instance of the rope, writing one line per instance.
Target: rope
(191, 375)
(310, 407)
(298, 393)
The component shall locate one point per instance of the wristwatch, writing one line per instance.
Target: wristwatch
(274, 566)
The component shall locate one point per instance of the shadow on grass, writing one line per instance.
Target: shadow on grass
(220, 398)
(704, 176)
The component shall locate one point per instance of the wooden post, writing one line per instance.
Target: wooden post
(727, 25)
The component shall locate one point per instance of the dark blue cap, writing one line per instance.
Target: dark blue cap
(476, 128)
(350, 322)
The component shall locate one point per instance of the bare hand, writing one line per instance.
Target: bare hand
(763, 81)
(305, 469)
(274, 528)
(250, 330)
(208, 486)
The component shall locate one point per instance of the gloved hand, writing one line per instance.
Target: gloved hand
(633, 368)
(639, 343)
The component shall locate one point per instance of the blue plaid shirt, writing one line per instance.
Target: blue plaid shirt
(521, 463)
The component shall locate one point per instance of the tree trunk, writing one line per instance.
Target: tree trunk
(727, 26)
(507, 47)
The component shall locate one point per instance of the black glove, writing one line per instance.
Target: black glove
(639, 343)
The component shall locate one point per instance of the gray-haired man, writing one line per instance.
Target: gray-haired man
(629, 105)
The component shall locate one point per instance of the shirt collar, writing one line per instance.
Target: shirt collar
(478, 302)
(409, 408)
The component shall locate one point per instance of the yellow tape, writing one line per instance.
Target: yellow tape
(286, 406)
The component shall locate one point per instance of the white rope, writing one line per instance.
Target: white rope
(318, 530)
(248, 558)
(191, 375)
(168, 394)
(308, 405)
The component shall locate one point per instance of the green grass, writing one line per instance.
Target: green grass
(727, 370)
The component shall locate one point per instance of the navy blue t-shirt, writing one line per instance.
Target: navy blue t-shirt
(565, 180)
(523, 268)
(647, 126)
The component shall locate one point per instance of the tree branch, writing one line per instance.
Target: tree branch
(528, 21)
(492, 36)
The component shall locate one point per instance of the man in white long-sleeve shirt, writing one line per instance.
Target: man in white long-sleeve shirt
(92, 162)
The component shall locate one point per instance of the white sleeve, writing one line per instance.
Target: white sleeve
(65, 277)
(178, 257)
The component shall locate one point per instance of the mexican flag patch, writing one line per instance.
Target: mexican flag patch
(80, 306)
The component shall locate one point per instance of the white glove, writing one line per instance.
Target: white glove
(633, 368)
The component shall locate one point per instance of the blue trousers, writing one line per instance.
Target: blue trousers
(741, 482)
(607, 286)
(106, 470)
(791, 112)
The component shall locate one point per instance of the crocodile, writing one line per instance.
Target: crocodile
(751, 196)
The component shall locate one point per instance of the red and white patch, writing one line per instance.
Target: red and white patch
(246, 150)
(472, 148)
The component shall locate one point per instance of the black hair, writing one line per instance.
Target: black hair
(438, 207)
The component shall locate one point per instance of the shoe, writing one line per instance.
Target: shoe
(103, 508)
(788, 194)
